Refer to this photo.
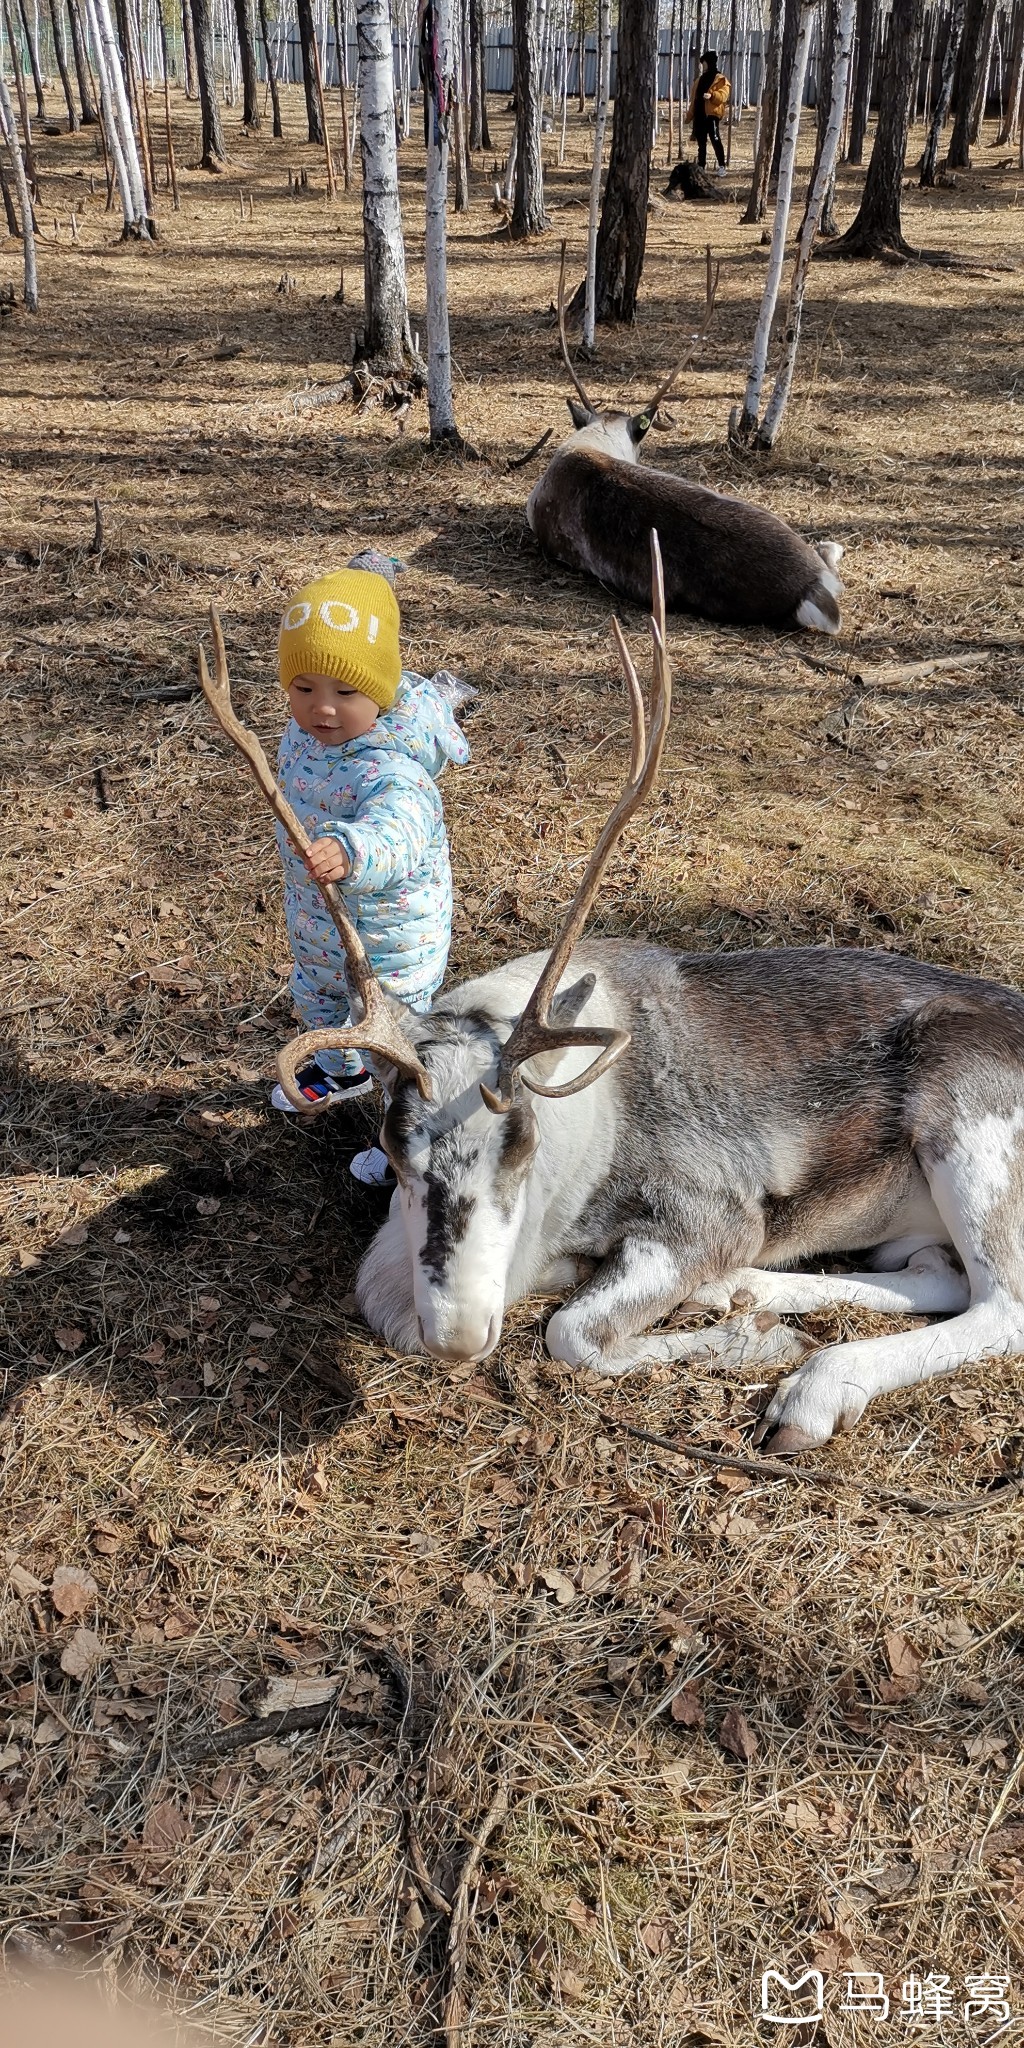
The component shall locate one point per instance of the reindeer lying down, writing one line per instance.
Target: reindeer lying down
(744, 1113)
(596, 504)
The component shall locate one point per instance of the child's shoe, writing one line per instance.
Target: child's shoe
(372, 1169)
(318, 1087)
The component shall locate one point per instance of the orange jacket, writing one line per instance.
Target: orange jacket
(716, 99)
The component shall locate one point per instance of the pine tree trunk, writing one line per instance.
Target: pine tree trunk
(768, 118)
(971, 61)
(214, 154)
(867, 31)
(387, 342)
(8, 198)
(940, 111)
(247, 57)
(33, 58)
(269, 58)
(604, 65)
(528, 216)
(85, 98)
(479, 132)
(188, 44)
(60, 54)
(7, 122)
(622, 235)
(314, 125)
(1015, 90)
(877, 229)
(980, 97)
(790, 29)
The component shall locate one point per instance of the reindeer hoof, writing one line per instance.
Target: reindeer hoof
(786, 1442)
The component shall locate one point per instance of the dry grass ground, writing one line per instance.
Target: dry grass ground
(507, 1590)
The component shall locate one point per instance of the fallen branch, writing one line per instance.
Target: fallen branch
(265, 1728)
(455, 2030)
(804, 1475)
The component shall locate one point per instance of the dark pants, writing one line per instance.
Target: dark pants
(707, 131)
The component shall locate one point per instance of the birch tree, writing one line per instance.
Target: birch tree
(437, 68)
(768, 432)
(744, 429)
(9, 126)
(117, 121)
(387, 342)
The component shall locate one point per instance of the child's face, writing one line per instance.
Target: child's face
(329, 710)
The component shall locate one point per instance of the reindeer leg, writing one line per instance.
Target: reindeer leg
(928, 1285)
(642, 1281)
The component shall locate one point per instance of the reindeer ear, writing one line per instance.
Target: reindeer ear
(638, 425)
(581, 417)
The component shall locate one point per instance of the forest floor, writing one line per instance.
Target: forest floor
(740, 1723)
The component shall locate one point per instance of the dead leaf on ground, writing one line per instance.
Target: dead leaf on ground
(81, 1653)
(656, 1937)
(801, 1817)
(281, 1694)
(558, 1584)
(73, 1592)
(685, 1706)
(478, 1589)
(47, 1731)
(165, 1828)
(737, 1736)
(73, 1234)
(70, 1338)
(905, 1663)
(25, 1582)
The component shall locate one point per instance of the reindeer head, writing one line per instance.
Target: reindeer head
(621, 433)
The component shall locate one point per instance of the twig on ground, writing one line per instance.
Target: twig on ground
(97, 543)
(432, 1893)
(455, 2031)
(803, 1475)
(224, 1741)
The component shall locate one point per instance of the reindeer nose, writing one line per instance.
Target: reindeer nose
(461, 1351)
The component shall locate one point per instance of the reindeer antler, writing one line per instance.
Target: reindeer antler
(379, 1030)
(710, 293)
(534, 1034)
(588, 402)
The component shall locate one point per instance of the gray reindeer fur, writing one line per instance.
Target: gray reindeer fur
(772, 1107)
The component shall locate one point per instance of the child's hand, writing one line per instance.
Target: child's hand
(327, 861)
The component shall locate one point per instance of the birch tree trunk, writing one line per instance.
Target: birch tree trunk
(33, 58)
(604, 69)
(7, 121)
(821, 180)
(437, 70)
(109, 59)
(387, 342)
(528, 216)
(745, 428)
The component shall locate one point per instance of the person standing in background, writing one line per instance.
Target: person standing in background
(707, 108)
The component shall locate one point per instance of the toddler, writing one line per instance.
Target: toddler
(358, 762)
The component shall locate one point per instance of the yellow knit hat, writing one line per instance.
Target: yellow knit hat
(345, 626)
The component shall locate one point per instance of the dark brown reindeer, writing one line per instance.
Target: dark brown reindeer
(595, 508)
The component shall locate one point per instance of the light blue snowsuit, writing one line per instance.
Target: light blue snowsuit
(377, 795)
